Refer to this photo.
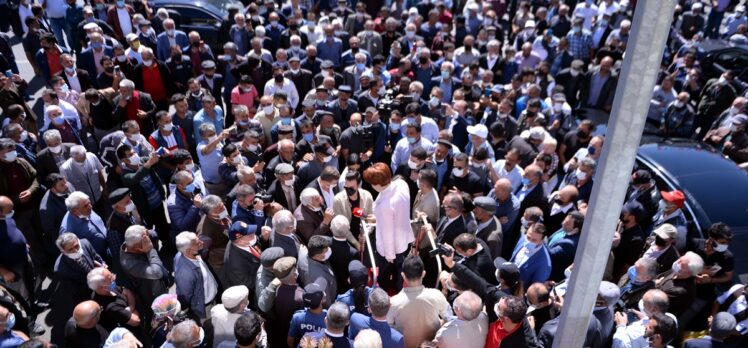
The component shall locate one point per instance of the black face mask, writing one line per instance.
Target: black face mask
(423, 60)
(195, 44)
(582, 134)
(659, 241)
(278, 78)
(109, 69)
(350, 191)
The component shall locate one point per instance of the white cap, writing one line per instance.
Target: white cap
(90, 26)
(537, 133)
(529, 24)
(697, 5)
(234, 295)
(479, 130)
(131, 37)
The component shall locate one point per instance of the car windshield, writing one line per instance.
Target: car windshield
(218, 6)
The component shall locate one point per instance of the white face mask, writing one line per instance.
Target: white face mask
(574, 72)
(189, 166)
(223, 214)
(267, 109)
(130, 207)
(557, 107)
(676, 267)
(134, 159)
(327, 254)
(412, 165)
(327, 159)
(678, 104)
(457, 171)
(24, 136)
(253, 147)
(55, 149)
(580, 174)
(168, 127)
(75, 255)
(236, 160)
(720, 248)
(148, 62)
(567, 273)
(289, 182)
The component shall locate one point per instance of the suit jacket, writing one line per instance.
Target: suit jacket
(342, 206)
(45, 161)
(219, 240)
(446, 233)
(146, 104)
(339, 80)
(537, 268)
(342, 254)
(482, 264)
(289, 244)
(240, 268)
(87, 62)
(163, 49)
(216, 91)
(562, 254)
(163, 70)
(492, 235)
(310, 270)
(309, 223)
(113, 20)
(83, 77)
(147, 273)
(497, 68)
(534, 198)
(52, 208)
(304, 81)
(73, 273)
(189, 282)
(279, 196)
(605, 98)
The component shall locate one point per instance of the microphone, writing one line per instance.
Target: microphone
(358, 212)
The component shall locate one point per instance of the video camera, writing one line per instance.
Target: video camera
(441, 249)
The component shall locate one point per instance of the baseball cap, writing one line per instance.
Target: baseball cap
(676, 197)
(666, 231)
(357, 273)
(131, 37)
(314, 293)
(508, 271)
(240, 229)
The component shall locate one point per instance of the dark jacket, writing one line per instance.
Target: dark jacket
(680, 292)
(83, 77)
(309, 223)
(608, 91)
(481, 263)
(52, 208)
(72, 274)
(527, 151)
(534, 198)
(216, 91)
(184, 215)
(240, 268)
(30, 178)
(342, 254)
(279, 196)
(163, 70)
(189, 281)
(146, 104)
(446, 233)
(147, 273)
(88, 62)
(562, 253)
(315, 185)
(493, 236)
(131, 179)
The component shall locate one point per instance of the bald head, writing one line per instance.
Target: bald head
(568, 194)
(503, 189)
(538, 295)
(6, 205)
(86, 314)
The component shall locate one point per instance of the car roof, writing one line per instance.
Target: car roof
(715, 184)
(216, 7)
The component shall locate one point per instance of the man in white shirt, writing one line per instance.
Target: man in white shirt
(509, 168)
(631, 335)
(282, 84)
(470, 326)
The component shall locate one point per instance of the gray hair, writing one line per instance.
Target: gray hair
(695, 263)
(283, 220)
(7, 143)
(241, 109)
(286, 142)
(126, 84)
(65, 239)
(589, 163)
(337, 316)
(379, 302)
(340, 225)
(181, 175)
(205, 128)
(96, 277)
(367, 338)
(12, 128)
(243, 191)
(243, 172)
(75, 199)
(181, 335)
(184, 240)
(308, 195)
(651, 266)
(252, 134)
(209, 203)
(51, 135)
(77, 150)
(134, 235)
(148, 50)
(469, 304)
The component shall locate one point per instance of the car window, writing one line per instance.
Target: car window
(195, 16)
(733, 59)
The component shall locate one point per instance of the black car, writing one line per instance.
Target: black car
(202, 16)
(715, 188)
(716, 56)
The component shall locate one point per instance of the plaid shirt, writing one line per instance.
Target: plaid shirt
(580, 45)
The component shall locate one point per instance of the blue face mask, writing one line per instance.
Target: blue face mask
(395, 126)
(360, 66)
(11, 322)
(190, 188)
(309, 137)
(531, 246)
(412, 140)
(632, 275)
(243, 123)
(525, 181)
(113, 287)
(96, 45)
(58, 121)
(591, 150)
(120, 3)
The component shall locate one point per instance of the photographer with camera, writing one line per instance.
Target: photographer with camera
(248, 207)
(357, 139)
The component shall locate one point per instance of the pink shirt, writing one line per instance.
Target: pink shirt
(239, 97)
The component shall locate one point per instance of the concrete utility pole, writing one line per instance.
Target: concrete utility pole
(649, 32)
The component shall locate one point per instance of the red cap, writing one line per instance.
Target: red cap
(676, 197)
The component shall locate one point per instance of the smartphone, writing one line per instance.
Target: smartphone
(117, 69)
(8, 73)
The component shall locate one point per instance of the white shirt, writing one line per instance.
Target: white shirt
(210, 287)
(55, 9)
(392, 211)
(327, 195)
(125, 22)
(23, 12)
(515, 175)
(429, 129)
(97, 59)
(132, 54)
(582, 11)
(631, 336)
(73, 82)
(288, 87)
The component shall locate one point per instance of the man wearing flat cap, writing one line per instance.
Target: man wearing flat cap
(661, 246)
(284, 190)
(234, 301)
(265, 275)
(489, 227)
(286, 297)
(124, 214)
(301, 78)
(343, 107)
(328, 70)
(242, 258)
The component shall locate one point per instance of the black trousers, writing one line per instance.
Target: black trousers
(390, 276)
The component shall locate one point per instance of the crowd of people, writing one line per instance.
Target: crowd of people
(349, 174)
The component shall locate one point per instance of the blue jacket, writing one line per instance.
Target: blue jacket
(92, 229)
(189, 281)
(390, 337)
(537, 268)
(562, 252)
(332, 52)
(41, 61)
(250, 217)
(163, 49)
(88, 63)
(183, 214)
